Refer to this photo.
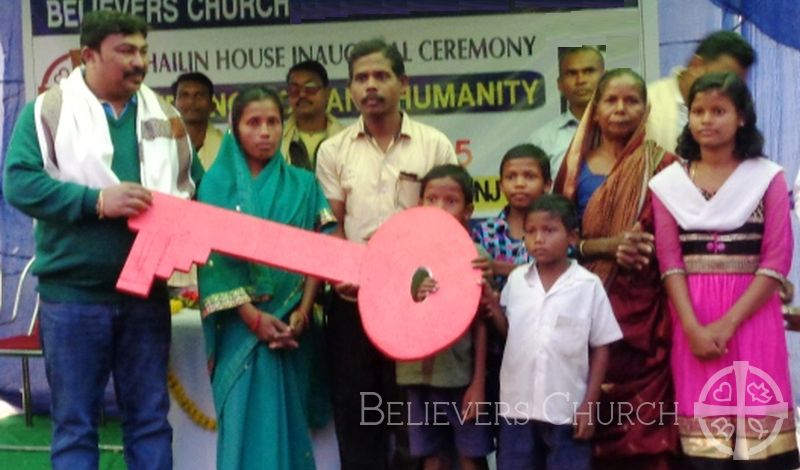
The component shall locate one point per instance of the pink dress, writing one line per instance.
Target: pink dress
(738, 406)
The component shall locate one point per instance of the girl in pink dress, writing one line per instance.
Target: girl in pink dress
(724, 245)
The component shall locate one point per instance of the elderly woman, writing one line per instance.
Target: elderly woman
(605, 172)
(253, 315)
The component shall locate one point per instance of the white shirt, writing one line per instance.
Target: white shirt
(554, 138)
(668, 112)
(545, 366)
(374, 185)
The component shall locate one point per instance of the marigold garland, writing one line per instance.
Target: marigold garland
(187, 404)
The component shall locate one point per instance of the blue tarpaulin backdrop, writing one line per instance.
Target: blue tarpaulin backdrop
(16, 245)
(775, 18)
(15, 230)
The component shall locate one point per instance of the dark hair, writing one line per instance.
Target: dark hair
(609, 75)
(457, 173)
(726, 43)
(99, 24)
(250, 95)
(371, 46)
(197, 77)
(310, 66)
(564, 52)
(557, 206)
(528, 151)
(749, 143)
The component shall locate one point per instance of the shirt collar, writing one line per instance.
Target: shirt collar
(532, 275)
(503, 215)
(566, 119)
(405, 130)
(109, 109)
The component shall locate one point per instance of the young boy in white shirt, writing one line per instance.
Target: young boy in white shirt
(558, 324)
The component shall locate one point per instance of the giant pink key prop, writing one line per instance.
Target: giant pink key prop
(396, 324)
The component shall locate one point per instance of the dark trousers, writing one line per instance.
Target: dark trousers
(364, 391)
(537, 445)
(83, 345)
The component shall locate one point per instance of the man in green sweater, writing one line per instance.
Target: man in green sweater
(83, 157)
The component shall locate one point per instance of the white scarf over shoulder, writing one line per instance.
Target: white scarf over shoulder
(76, 145)
(728, 209)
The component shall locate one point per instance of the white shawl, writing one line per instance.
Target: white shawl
(79, 149)
(730, 207)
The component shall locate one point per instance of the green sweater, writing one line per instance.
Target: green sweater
(78, 256)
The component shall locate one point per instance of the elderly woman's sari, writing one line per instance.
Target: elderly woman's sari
(638, 377)
(262, 396)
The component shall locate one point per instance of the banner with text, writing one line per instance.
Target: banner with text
(487, 81)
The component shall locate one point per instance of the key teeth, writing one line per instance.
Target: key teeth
(165, 271)
(134, 288)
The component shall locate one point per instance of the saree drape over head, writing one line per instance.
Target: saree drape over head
(263, 397)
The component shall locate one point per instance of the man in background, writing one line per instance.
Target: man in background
(579, 70)
(722, 51)
(193, 97)
(309, 124)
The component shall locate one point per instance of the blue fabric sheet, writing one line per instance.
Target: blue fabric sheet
(775, 18)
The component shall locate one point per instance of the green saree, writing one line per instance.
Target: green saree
(263, 397)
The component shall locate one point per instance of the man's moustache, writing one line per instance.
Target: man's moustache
(135, 72)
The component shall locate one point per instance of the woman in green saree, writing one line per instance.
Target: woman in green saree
(253, 315)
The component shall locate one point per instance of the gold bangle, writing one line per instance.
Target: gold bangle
(580, 249)
(100, 207)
